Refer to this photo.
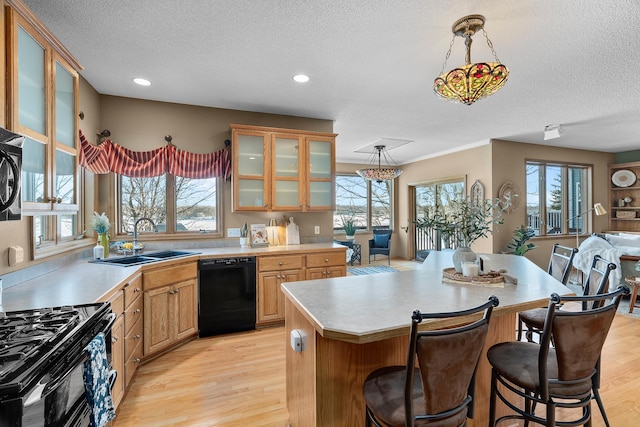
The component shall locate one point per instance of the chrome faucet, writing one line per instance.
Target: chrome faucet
(135, 232)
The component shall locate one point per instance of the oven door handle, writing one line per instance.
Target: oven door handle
(43, 389)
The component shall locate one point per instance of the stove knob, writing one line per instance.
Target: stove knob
(3, 315)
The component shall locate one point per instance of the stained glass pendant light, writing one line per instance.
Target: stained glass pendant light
(379, 173)
(470, 82)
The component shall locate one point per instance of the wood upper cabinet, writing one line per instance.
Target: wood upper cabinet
(170, 306)
(624, 215)
(43, 101)
(282, 169)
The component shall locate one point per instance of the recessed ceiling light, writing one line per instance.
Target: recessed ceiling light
(141, 81)
(301, 78)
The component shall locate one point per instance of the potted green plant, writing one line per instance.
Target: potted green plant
(349, 227)
(464, 221)
(519, 245)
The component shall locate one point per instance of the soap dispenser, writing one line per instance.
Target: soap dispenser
(98, 251)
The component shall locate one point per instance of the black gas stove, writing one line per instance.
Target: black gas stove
(42, 353)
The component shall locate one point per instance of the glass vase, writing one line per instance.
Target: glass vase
(460, 255)
(103, 239)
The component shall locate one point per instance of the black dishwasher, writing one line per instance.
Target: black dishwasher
(226, 295)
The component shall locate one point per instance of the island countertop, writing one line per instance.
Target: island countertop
(353, 325)
(368, 308)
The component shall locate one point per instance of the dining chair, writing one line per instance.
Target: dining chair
(597, 282)
(440, 390)
(560, 263)
(380, 244)
(558, 376)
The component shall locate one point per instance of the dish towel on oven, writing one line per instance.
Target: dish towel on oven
(96, 383)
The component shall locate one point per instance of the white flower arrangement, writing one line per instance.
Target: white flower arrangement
(100, 223)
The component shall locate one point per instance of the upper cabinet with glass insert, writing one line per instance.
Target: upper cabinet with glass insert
(282, 169)
(43, 103)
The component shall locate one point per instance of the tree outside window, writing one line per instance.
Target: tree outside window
(556, 194)
(367, 203)
(194, 206)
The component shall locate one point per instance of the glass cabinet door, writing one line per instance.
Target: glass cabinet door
(286, 172)
(31, 83)
(250, 159)
(320, 173)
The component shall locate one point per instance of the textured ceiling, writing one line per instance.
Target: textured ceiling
(372, 65)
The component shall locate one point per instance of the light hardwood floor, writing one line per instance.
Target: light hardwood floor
(239, 380)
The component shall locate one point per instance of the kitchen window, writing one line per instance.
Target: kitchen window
(176, 205)
(367, 203)
(556, 194)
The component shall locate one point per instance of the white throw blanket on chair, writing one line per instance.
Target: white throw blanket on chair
(598, 246)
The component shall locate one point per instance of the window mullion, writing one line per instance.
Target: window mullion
(171, 204)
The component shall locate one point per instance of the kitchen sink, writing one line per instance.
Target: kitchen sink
(127, 261)
(169, 254)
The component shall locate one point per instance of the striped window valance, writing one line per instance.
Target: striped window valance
(111, 157)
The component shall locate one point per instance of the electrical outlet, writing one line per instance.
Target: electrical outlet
(317, 229)
(233, 232)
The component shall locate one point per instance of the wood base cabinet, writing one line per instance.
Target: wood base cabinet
(132, 327)
(170, 306)
(272, 271)
(117, 346)
(275, 270)
(325, 265)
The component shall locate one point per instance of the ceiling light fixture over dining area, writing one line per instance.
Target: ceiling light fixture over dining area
(470, 82)
(379, 173)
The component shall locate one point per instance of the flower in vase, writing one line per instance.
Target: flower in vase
(100, 223)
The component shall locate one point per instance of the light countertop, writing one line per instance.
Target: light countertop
(368, 308)
(84, 282)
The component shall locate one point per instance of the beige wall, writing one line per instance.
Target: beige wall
(472, 164)
(509, 159)
(142, 125)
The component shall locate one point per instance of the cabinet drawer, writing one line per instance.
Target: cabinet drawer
(326, 258)
(117, 303)
(132, 363)
(169, 275)
(272, 263)
(132, 314)
(132, 339)
(132, 290)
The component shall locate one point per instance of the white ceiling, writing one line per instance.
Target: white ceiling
(372, 65)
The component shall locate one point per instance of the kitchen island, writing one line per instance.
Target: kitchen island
(353, 325)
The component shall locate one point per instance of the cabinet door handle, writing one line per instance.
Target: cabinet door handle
(136, 290)
(177, 291)
(114, 338)
(326, 260)
(136, 311)
(137, 336)
(136, 360)
(281, 263)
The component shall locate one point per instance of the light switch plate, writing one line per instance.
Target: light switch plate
(317, 231)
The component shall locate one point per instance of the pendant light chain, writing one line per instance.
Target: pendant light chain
(448, 53)
(495, 55)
